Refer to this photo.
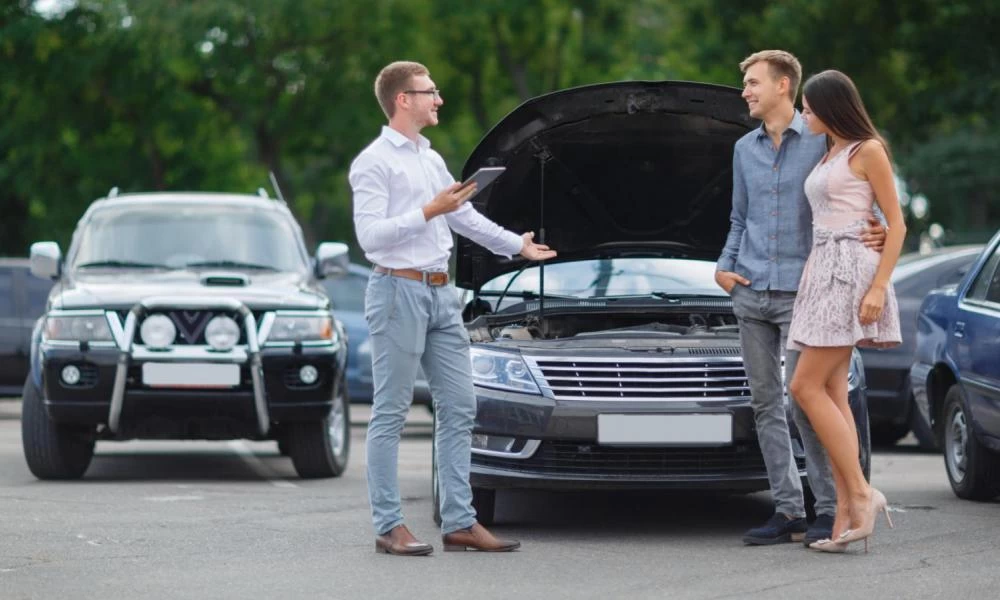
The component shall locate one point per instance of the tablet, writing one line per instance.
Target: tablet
(483, 177)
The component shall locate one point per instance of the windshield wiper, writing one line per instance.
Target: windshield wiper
(128, 264)
(233, 264)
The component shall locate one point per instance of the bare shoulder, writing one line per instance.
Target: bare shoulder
(872, 151)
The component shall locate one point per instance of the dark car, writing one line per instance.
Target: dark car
(887, 372)
(347, 294)
(22, 301)
(956, 375)
(618, 364)
(186, 316)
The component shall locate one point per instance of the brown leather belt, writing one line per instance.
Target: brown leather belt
(428, 277)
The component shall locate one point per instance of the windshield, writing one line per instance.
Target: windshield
(612, 277)
(176, 236)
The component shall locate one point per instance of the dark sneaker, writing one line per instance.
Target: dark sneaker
(779, 529)
(820, 529)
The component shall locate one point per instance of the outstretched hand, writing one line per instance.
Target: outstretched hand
(533, 251)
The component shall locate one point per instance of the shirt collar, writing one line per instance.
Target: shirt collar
(399, 140)
(796, 125)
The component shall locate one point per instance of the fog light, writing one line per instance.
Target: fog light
(70, 375)
(158, 331)
(492, 443)
(308, 374)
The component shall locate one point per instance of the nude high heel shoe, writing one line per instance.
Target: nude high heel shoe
(828, 545)
(878, 504)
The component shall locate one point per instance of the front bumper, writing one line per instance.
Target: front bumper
(558, 445)
(112, 393)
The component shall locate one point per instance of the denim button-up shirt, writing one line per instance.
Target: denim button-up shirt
(770, 232)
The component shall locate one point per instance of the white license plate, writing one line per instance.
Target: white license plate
(191, 375)
(693, 430)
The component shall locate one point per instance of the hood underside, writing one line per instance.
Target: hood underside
(640, 166)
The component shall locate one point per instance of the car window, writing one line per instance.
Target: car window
(348, 292)
(611, 277)
(987, 284)
(6, 293)
(38, 295)
(176, 235)
(917, 282)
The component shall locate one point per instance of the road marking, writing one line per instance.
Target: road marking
(240, 448)
(172, 498)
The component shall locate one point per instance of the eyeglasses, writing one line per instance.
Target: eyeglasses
(435, 93)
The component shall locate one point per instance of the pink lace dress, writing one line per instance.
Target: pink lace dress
(840, 269)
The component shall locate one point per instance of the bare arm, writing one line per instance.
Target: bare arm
(874, 164)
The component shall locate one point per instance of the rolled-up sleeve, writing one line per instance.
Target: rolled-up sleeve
(737, 218)
(369, 180)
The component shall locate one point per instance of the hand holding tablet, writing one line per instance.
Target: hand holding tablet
(483, 177)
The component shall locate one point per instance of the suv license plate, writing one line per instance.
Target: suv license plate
(190, 375)
(689, 430)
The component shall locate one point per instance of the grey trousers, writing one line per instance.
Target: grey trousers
(411, 324)
(764, 317)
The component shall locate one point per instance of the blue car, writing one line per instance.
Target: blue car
(956, 375)
(347, 295)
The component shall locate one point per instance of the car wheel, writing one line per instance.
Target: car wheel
(321, 448)
(485, 502)
(921, 429)
(888, 434)
(435, 490)
(973, 471)
(52, 451)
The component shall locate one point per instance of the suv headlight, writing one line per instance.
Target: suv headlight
(303, 328)
(501, 370)
(88, 327)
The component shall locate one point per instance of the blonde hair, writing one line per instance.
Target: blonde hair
(781, 64)
(393, 79)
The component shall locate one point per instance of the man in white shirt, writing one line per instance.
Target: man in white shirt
(405, 206)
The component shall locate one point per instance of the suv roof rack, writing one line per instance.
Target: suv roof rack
(113, 192)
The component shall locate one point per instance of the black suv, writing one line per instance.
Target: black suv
(186, 316)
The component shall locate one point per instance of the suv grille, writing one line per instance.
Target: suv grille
(191, 325)
(640, 379)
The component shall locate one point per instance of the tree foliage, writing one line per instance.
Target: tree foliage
(213, 95)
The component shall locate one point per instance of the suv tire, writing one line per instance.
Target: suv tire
(52, 451)
(320, 449)
(973, 470)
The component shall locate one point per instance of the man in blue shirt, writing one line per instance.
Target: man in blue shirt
(769, 241)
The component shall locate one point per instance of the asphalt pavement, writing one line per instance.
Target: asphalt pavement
(173, 520)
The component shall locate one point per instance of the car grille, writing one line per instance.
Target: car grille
(588, 458)
(191, 325)
(640, 378)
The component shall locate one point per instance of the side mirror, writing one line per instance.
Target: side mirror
(332, 259)
(46, 260)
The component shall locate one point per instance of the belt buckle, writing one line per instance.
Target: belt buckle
(425, 277)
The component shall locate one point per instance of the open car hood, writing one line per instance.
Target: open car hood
(628, 168)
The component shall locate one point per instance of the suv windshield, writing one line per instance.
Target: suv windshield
(196, 235)
(611, 277)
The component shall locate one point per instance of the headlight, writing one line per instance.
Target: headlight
(501, 370)
(158, 331)
(222, 333)
(305, 328)
(82, 328)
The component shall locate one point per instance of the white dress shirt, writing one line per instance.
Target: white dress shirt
(392, 180)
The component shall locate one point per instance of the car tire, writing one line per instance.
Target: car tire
(485, 502)
(921, 430)
(52, 450)
(320, 449)
(435, 490)
(887, 434)
(973, 470)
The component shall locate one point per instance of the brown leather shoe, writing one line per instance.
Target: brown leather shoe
(478, 538)
(400, 541)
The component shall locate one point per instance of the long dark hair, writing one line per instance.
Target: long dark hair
(835, 100)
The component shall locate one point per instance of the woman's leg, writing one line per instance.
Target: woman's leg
(836, 388)
(817, 367)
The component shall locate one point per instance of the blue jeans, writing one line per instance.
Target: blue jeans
(413, 324)
(764, 317)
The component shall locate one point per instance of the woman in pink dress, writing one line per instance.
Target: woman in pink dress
(845, 298)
